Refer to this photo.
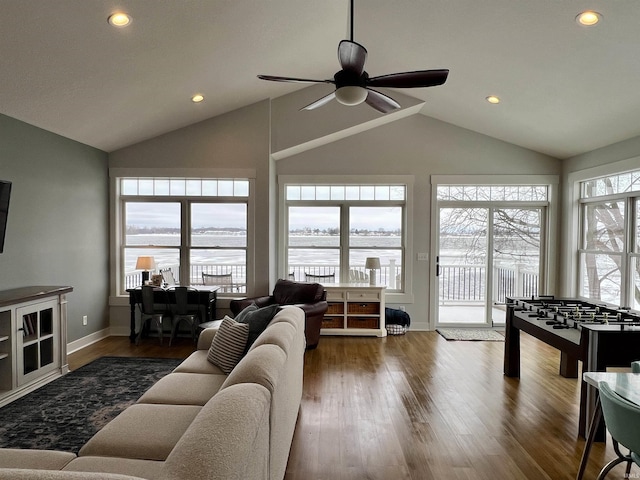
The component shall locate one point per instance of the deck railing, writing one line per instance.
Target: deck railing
(467, 283)
(458, 283)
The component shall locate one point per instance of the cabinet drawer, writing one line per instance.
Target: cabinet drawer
(363, 307)
(363, 296)
(335, 295)
(363, 322)
(335, 308)
(333, 322)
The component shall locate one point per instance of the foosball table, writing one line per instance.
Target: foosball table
(597, 334)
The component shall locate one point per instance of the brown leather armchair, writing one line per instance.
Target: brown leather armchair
(310, 297)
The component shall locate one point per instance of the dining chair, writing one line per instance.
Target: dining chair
(224, 280)
(328, 278)
(181, 312)
(148, 311)
(167, 277)
(622, 419)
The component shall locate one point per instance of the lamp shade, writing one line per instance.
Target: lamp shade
(372, 263)
(145, 263)
(351, 95)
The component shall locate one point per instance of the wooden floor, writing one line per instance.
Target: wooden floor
(418, 407)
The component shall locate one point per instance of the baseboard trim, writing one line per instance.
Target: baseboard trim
(88, 340)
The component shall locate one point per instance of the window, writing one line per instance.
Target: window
(332, 229)
(194, 227)
(610, 243)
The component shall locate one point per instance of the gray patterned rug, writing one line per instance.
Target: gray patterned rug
(66, 413)
(473, 334)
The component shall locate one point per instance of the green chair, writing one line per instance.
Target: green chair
(635, 367)
(622, 419)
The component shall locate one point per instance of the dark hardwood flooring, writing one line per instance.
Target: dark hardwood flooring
(418, 407)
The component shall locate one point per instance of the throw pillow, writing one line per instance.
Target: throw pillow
(228, 346)
(244, 312)
(257, 319)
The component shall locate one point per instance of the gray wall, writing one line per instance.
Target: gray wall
(420, 146)
(57, 231)
(416, 145)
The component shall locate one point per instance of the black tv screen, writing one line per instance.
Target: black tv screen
(5, 193)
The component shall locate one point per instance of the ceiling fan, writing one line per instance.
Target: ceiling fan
(353, 84)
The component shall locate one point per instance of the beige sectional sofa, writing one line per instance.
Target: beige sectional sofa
(196, 423)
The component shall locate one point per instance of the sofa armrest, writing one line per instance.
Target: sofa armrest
(316, 309)
(240, 304)
(206, 337)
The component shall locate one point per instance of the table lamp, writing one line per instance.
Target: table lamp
(372, 264)
(145, 264)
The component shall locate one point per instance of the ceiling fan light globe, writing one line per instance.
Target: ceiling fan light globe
(351, 95)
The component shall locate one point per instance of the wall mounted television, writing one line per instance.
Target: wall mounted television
(5, 194)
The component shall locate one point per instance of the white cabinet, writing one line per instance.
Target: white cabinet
(33, 339)
(354, 309)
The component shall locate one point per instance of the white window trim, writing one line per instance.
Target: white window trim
(570, 228)
(547, 274)
(115, 215)
(407, 180)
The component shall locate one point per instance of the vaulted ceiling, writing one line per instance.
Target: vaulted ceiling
(565, 89)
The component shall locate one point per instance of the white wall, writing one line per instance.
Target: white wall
(419, 146)
(235, 142)
(619, 157)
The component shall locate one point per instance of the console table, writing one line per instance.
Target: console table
(205, 297)
(354, 309)
(33, 338)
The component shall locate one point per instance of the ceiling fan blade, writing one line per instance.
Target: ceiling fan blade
(420, 78)
(352, 56)
(320, 102)
(291, 79)
(381, 102)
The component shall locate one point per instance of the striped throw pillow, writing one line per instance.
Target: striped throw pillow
(228, 344)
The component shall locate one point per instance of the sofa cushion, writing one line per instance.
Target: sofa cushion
(257, 319)
(31, 474)
(39, 459)
(279, 333)
(287, 292)
(229, 438)
(180, 388)
(262, 365)
(123, 466)
(144, 431)
(197, 363)
(229, 344)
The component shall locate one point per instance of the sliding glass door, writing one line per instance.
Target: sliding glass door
(484, 255)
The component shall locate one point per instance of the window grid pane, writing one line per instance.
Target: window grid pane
(494, 193)
(192, 187)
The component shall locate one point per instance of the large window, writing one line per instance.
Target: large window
(196, 228)
(610, 243)
(333, 229)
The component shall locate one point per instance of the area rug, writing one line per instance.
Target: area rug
(66, 413)
(473, 334)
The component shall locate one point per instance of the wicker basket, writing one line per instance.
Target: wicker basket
(335, 308)
(363, 322)
(363, 308)
(332, 322)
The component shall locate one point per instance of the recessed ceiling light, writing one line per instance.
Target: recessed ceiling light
(588, 18)
(493, 99)
(197, 98)
(119, 19)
